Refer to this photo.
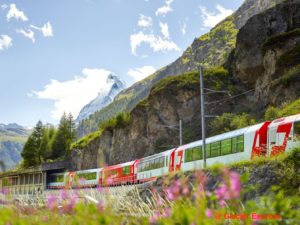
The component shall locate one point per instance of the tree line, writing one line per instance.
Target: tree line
(47, 143)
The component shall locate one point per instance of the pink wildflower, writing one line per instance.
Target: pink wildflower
(100, 206)
(5, 191)
(64, 194)
(208, 213)
(167, 212)
(51, 202)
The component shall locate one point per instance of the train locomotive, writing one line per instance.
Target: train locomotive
(269, 138)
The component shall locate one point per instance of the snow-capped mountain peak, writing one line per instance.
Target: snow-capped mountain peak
(105, 96)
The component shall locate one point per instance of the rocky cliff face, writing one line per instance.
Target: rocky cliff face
(267, 55)
(266, 59)
(211, 49)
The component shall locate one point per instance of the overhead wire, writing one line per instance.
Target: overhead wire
(232, 97)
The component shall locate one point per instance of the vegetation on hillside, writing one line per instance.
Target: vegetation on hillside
(120, 121)
(47, 144)
(229, 121)
(287, 109)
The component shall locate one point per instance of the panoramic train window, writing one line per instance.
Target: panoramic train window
(238, 144)
(193, 154)
(297, 131)
(126, 170)
(87, 176)
(57, 178)
(215, 149)
(226, 147)
(151, 164)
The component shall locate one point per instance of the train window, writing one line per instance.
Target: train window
(167, 161)
(197, 153)
(215, 149)
(126, 170)
(240, 143)
(57, 178)
(226, 147)
(87, 176)
(207, 151)
(297, 131)
(193, 154)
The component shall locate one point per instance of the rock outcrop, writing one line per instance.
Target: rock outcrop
(267, 55)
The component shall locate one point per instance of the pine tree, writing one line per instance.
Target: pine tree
(33, 149)
(65, 135)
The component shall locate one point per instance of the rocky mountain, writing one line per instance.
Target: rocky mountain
(115, 85)
(209, 50)
(265, 65)
(12, 140)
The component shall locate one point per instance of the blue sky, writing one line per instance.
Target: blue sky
(56, 54)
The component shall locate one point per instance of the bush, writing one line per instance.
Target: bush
(229, 121)
(288, 109)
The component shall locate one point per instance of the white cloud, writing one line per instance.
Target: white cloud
(164, 10)
(72, 95)
(164, 28)
(141, 73)
(183, 28)
(157, 43)
(210, 19)
(46, 29)
(5, 42)
(14, 12)
(145, 21)
(28, 34)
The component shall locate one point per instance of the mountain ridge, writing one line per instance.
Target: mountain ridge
(103, 98)
(211, 49)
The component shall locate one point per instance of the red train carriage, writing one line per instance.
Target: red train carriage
(124, 173)
(283, 134)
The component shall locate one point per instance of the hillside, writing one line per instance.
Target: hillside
(250, 70)
(210, 50)
(12, 140)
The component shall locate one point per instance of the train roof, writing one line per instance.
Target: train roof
(157, 155)
(89, 171)
(284, 120)
(120, 165)
(226, 135)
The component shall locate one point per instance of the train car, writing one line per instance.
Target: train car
(83, 178)
(283, 134)
(56, 181)
(124, 173)
(242, 144)
(154, 165)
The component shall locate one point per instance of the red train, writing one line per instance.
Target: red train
(264, 139)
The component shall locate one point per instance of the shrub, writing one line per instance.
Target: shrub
(229, 121)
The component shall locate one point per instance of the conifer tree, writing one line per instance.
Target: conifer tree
(65, 135)
(32, 151)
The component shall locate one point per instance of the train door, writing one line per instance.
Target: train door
(296, 137)
(178, 159)
(278, 138)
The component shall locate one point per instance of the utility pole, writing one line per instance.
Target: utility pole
(202, 117)
(180, 132)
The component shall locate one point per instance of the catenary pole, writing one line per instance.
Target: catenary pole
(203, 117)
(180, 132)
